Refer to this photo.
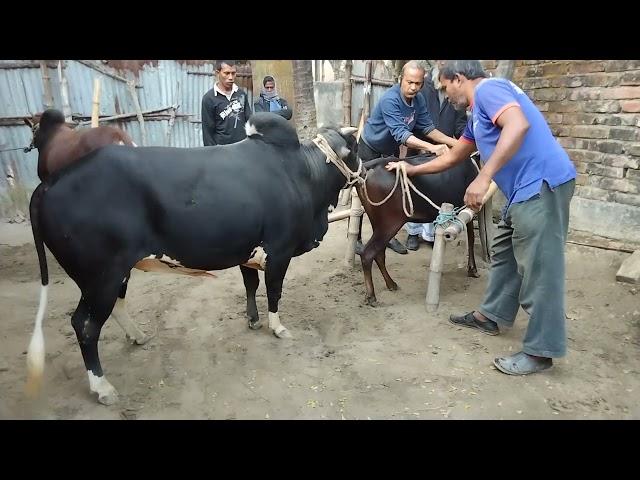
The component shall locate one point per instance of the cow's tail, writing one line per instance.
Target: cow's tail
(35, 353)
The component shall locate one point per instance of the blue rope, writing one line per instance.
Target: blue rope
(444, 218)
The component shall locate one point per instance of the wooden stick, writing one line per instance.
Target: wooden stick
(452, 231)
(354, 228)
(134, 95)
(95, 111)
(129, 115)
(346, 95)
(64, 90)
(46, 85)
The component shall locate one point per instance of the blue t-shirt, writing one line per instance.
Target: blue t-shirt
(539, 159)
(393, 121)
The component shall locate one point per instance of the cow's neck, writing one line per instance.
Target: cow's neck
(326, 180)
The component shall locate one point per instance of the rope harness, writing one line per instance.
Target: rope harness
(351, 176)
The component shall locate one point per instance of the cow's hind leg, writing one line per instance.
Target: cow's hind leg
(472, 270)
(93, 310)
(380, 261)
(375, 250)
(251, 282)
(121, 316)
(274, 277)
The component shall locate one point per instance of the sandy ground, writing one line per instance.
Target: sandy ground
(347, 360)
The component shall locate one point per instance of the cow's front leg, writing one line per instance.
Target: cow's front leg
(274, 277)
(251, 282)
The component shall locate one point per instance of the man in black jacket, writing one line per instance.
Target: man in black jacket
(449, 121)
(225, 108)
(270, 101)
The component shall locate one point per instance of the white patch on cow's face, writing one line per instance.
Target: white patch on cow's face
(107, 394)
(257, 260)
(250, 129)
(344, 152)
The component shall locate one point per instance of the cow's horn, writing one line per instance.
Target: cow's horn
(348, 131)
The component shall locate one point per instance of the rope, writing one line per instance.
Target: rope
(406, 186)
(444, 217)
(351, 176)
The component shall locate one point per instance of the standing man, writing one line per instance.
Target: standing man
(225, 108)
(449, 121)
(270, 101)
(537, 178)
(399, 118)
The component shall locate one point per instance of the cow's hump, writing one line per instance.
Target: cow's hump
(272, 128)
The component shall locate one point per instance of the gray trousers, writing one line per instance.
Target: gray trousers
(528, 268)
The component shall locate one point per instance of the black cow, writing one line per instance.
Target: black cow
(199, 208)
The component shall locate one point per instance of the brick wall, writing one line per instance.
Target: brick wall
(593, 109)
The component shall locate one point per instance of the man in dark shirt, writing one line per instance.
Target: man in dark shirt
(225, 108)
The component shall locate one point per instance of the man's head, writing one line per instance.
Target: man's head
(226, 71)
(269, 88)
(411, 79)
(459, 78)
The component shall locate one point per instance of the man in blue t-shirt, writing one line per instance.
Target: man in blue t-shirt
(537, 178)
(399, 118)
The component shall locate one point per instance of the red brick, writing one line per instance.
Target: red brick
(622, 92)
(632, 106)
(585, 67)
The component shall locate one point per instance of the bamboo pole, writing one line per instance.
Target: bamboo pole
(134, 95)
(346, 94)
(46, 85)
(64, 90)
(432, 299)
(95, 111)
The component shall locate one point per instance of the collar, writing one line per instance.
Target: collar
(234, 89)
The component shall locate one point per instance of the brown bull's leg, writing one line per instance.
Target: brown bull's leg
(383, 230)
(251, 282)
(380, 261)
(472, 270)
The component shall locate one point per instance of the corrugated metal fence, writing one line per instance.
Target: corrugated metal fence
(159, 86)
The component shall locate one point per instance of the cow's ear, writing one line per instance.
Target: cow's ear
(28, 122)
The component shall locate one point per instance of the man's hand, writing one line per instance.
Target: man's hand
(393, 165)
(476, 192)
(439, 149)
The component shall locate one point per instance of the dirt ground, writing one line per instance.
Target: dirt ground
(346, 361)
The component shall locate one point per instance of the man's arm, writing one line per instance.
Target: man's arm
(208, 122)
(439, 137)
(461, 151)
(415, 142)
(514, 127)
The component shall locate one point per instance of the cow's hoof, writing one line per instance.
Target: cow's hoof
(282, 332)
(255, 325)
(108, 398)
(393, 286)
(473, 274)
(371, 301)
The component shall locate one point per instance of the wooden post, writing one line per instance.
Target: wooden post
(354, 227)
(46, 85)
(95, 111)
(366, 100)
(134, 95)
(466, 215)
(346, 94)
(64, 91)
(435, 267)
